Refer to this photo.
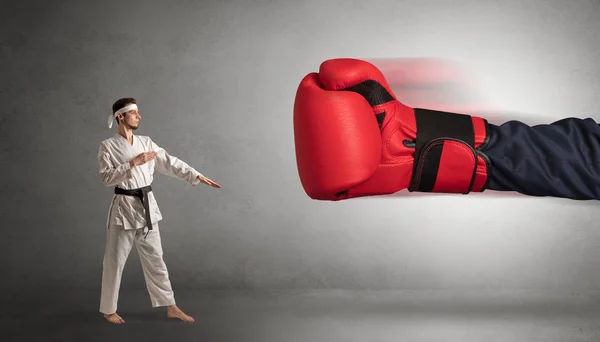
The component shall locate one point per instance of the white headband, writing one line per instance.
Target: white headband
(122, 110)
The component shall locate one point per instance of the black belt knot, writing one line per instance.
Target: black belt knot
(142, 194)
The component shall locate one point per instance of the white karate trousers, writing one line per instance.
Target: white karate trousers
(118, 245)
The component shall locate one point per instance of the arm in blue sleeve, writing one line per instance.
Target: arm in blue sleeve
(561, 159)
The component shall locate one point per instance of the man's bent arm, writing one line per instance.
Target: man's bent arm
(110, 175)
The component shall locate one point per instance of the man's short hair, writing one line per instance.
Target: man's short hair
(120, 103)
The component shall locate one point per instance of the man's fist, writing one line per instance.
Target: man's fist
(142, 158)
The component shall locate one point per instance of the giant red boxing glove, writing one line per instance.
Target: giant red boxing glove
(353, 138)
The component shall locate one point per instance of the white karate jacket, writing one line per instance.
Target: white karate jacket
(113, 164)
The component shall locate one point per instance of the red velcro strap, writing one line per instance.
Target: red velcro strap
(447, 166)
(446, 155)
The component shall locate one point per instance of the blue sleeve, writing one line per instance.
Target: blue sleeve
(561, 159)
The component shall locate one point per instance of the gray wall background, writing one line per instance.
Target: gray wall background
(216, 82)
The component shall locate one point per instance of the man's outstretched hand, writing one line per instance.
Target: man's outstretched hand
(208, 181)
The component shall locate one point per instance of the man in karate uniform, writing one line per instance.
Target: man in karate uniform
(127, 162)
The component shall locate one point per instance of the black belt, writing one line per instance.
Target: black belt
(142, 194)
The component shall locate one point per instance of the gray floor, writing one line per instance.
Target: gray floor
(327, 315)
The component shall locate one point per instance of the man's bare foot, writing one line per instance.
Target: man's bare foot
(174, 312)
(114, 318)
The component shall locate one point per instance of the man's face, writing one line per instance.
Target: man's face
(131, 119)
